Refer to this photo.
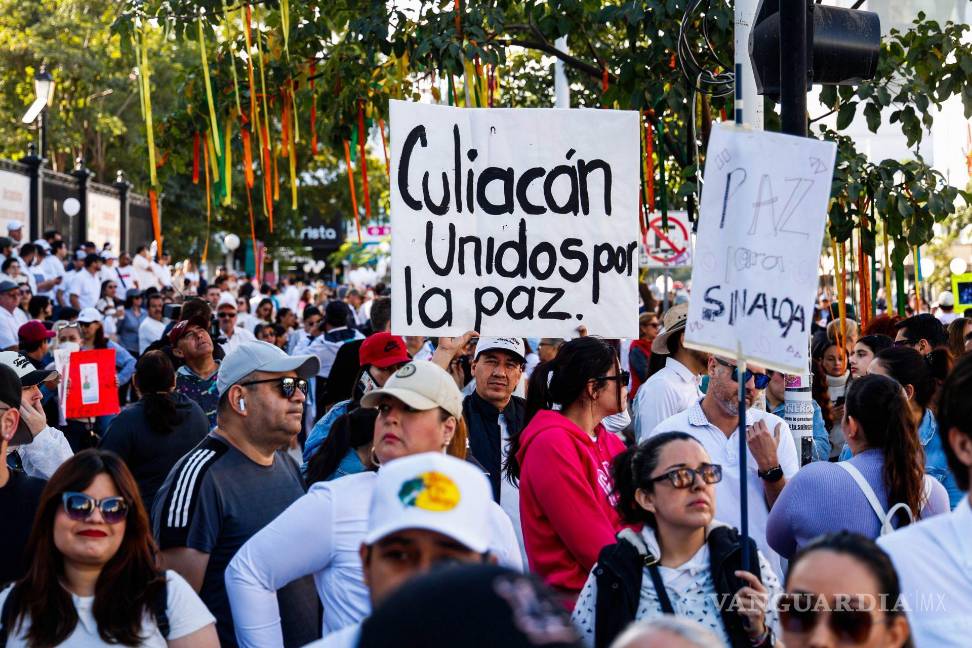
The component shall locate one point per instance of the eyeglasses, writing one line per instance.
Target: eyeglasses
(79, 507)
(288, 385)
(904, 343)
(685, 477)
(623, 377)
(759, 379)
(226, 315)
(800, 614)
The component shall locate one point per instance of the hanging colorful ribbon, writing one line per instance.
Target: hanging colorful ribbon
(293, 153)
(363, 162)
(231, 37)
(195, 158)
(156, 223)
(213, 125)
(228, 163)
(285, 25)
(247, 157)
(384, 145)
(887, 270)
(145, 73)
(650, 165)
(916, 255)
(209, 202)
(354, 198)
(313, 110)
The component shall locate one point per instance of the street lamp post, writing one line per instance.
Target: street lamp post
(43, 93)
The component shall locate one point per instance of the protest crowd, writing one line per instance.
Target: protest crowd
(266, 464)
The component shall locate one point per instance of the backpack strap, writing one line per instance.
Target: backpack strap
(651, 563)
(160, 606)
(872, 499)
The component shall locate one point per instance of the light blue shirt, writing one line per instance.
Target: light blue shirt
(321, 429)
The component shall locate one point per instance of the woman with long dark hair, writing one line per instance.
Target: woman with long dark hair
(561, 460)
(915, 373)
(960, 336)
(853, 570)
(887, 467)
(832, 377)
(152, 434)
(683, 561)
(865, 350)
(94, 576)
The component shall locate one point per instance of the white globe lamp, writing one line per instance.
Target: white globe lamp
(231, 242)
(958, 266)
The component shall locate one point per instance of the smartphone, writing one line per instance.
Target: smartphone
(840, 401)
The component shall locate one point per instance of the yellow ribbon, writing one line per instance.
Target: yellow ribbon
(232, 39)
(145, 73)
(228, 163)
(213, 125)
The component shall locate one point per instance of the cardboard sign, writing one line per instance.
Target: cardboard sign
(762, 217)
(514, 221)
(92, 387)
(671, 248)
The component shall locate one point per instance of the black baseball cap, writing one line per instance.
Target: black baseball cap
(475, 606)
(10, 395)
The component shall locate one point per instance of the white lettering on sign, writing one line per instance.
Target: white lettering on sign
(514, 222)
(762, 218)
(319, 233)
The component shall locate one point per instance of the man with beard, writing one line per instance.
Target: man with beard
(772, 458)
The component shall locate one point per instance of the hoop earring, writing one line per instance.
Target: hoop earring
(374, 457)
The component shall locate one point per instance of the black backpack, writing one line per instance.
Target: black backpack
(621, 566)
(159, 605)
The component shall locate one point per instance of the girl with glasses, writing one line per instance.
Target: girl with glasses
(561, 460)
(683, 562)
(94, 577)
(842, 590)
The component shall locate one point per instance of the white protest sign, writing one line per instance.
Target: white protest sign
(668, 248)
(514, 221)
(762, 217)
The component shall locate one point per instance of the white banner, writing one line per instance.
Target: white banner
(514, 221)
(104, 220)
(763, 211)
(14, 200)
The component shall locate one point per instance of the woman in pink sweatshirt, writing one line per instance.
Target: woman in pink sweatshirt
(562, 461)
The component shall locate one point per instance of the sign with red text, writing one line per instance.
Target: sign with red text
(92, 388)
(761, 224)
(514, 221)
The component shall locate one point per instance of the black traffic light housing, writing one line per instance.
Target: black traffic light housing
(842, 45)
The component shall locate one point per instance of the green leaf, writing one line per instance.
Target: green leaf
(846, 115)
(873, 116)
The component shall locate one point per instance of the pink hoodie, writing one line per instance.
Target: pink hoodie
(566, 508)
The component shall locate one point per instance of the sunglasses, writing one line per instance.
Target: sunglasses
(685, 477)
(79, 507)
(904, 343)
(623, 377)
(800, 614)
(226, 315)
(288, 385)
(759, 379)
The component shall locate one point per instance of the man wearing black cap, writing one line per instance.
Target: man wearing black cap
(19, 494)
(41, 448)
(11, 317)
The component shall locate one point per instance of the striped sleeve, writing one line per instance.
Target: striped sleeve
(187, 511)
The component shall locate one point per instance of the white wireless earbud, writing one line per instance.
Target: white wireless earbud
(242, 405)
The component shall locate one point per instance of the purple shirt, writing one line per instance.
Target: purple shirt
(823, 498)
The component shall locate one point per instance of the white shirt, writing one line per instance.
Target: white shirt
(45, 454)
(509, 493)
(933, 559)
(186, 611)
(346, 637)
(671, 390)
(87, 287)
(725, 452)
(240, 335)
(53, 268)
(326, 351)
(9, 325)
(125, 277)
(64, 290)
(149, 331)
(690, 589)
(320, 534)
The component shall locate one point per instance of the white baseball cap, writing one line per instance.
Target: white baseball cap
(422, 385)
(88, 315)
(14, 225)
(511, 344)
(261, 356)
(434, 492)
(946, 299)
(41, 243)
(226, 299)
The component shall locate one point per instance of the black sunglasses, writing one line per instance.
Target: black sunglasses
(622, 377)
(685, 477)
(904, 343)
(800, 614)
(226, 315)
(79, 507)
(759, 379)
(288, 385)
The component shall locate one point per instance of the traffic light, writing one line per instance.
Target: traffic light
(842, 45)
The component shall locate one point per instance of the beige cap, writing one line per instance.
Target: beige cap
(673, 322)
(422, 385)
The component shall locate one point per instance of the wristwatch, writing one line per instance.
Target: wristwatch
(772, 475)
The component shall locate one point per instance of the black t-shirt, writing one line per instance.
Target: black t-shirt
(150, 456)
(18, 503)
(213, 501)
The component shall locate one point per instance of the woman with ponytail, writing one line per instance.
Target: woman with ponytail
(562, 461)
(152, 434)
(887, 459)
